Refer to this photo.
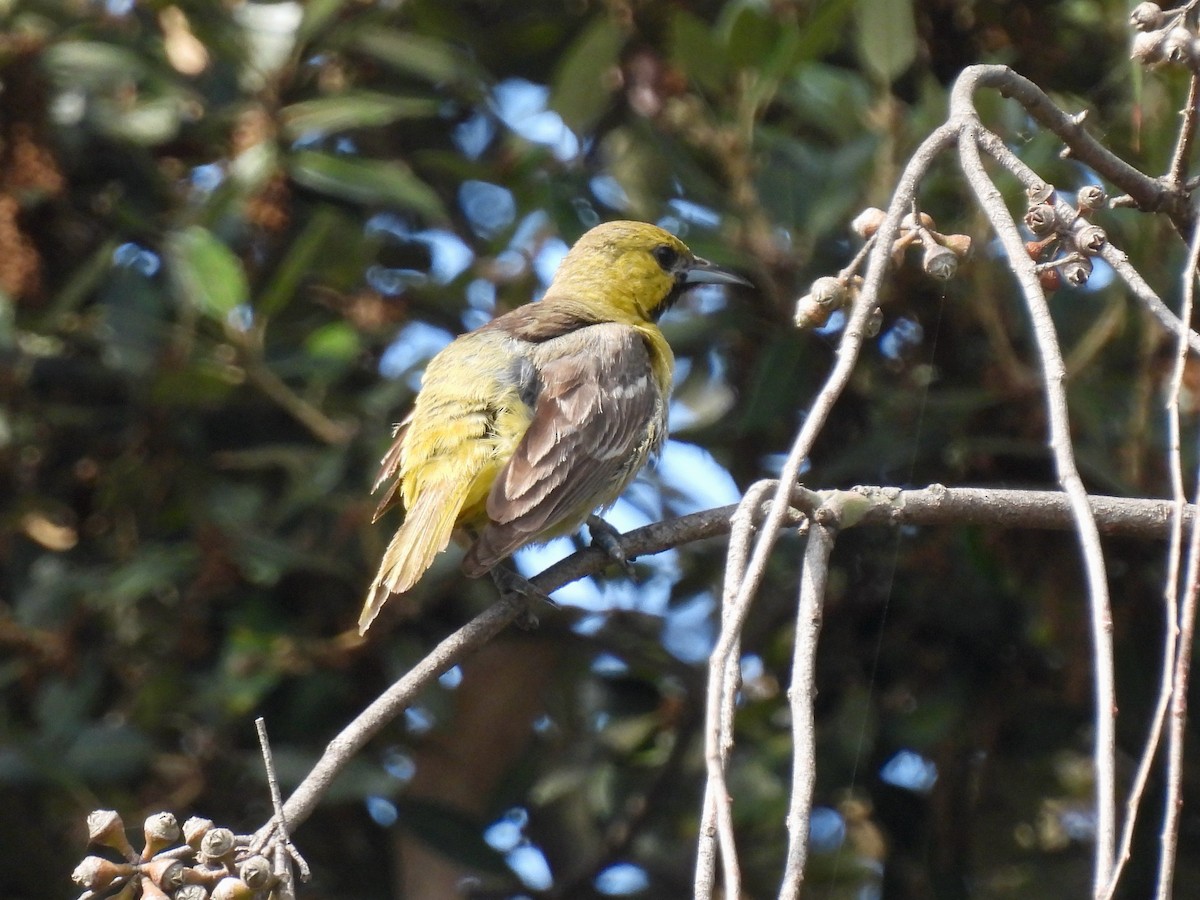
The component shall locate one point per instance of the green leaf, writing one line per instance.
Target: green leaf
(301, 258)
(354, 109)
(206, 272)
(696, 51)
(580, 93)
(887, 37)
(366, 181)
(317, 14)
(430, 59)
(335, 341)
(752, 34)
(95, 64)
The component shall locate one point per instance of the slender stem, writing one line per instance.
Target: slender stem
(1054, 376)
(716, 820)
(1181, 618)
(936, 505)
(1177, 173)
(801, 694)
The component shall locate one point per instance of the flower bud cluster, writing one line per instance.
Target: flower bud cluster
(940, 256)
(196, 862)
(1063, 247)
(1164, 37)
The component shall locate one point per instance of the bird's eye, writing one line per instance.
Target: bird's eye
(666, 256)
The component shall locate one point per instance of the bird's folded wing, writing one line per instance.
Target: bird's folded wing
(591, 426)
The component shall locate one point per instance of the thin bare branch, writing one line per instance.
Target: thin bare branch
(1150, 194)
(933, 506)
(802, 693)
(1054, 376)
(1180, 617)
(716, 818)
(1177, 173)
(1146, 295)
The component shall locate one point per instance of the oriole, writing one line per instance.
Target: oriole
(525, 426)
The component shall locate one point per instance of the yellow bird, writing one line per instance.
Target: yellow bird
(524, 427)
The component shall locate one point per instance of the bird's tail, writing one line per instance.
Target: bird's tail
(425, 533)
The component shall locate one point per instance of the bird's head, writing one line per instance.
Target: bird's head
(634, 270)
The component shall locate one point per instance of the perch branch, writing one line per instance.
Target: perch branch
(933, 506)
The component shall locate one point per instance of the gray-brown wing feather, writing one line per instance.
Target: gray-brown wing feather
(590, 431)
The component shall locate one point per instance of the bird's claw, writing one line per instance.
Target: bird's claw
(511, 583)
(608, 539)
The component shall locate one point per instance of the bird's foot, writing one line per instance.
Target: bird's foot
(511, 583)
(608, 539)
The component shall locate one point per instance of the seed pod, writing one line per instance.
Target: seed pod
(925, 220)
(161, 831)
(1146, 16)
(217, 843)
(867, 222)
(1077, 272)
(1039, 193)
(96, 873)
(1090, 239)
(105, 829)
(194, 830)
(151, 891)
(1041, 219)
(960, 244)
(166, 873)
(231, 889)
(828, 291)
(874, 323)
(940, 262)
(256, 872)
(810, 314)
(1091, 197)
(1147, 47)
(1050, 280)
(191, 892)
(1177, 46)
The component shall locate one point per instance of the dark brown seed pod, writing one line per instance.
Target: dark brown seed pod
(1041, 219)
(1050, 280)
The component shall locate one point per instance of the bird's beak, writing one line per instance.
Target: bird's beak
(701, 271)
